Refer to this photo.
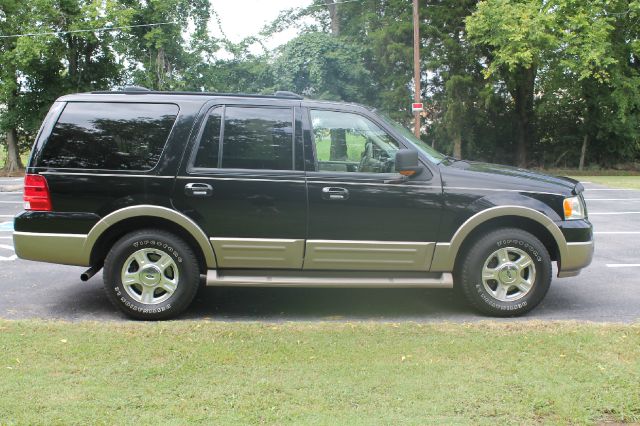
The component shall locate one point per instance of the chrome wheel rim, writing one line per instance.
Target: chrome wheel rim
(508, 274)
(150, 276)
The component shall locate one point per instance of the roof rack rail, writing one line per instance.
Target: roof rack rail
(135, 89)
(139, 90)
(287, 94)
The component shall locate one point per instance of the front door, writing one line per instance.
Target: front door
(243, 183)
(361, 215)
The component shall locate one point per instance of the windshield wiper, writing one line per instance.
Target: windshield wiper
(450, 158)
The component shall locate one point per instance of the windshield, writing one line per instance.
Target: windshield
(406, 134)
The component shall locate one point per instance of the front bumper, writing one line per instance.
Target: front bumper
(576, 256)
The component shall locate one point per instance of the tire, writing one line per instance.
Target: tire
(151, 275)
(505, 273)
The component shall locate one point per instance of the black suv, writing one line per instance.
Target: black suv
(167, 190)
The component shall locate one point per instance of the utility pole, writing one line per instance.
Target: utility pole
(416, 66)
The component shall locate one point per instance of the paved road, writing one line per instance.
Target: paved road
(609, 290)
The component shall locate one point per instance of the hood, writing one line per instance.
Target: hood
(474, 174)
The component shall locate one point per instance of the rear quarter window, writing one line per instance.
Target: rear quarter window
(109, 136)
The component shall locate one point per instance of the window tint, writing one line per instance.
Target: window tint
(207, 155)
(111, 136)
(347, 142)
(258, 138)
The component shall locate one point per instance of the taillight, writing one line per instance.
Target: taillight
(36, 193)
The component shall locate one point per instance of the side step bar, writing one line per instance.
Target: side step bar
(327, 279)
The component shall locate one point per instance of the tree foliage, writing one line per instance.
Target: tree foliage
(531, 82)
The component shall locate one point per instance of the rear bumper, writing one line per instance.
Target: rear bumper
(67, 249)
(576, 257)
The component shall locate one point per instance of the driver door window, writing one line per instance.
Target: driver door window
(347, 142)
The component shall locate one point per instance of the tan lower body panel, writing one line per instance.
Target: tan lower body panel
(67, 249)
(258, 253)
(579, 255)
(368, 255)
(327, 279)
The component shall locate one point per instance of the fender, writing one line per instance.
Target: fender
(155, 211)
(444, 256)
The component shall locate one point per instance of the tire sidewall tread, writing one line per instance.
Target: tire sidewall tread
(169, 243)
(469, 272)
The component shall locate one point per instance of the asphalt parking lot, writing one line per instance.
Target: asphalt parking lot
(607, 291)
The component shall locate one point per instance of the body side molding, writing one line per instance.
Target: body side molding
(444, 256)
(155, 211)
(258, 252)
(368, 255)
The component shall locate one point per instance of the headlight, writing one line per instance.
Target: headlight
(573, 208)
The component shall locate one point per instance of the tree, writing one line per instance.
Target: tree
(162, 56)
(572, 49)
(456, 80)
(67, 55)
(322, 66)
(518, 35)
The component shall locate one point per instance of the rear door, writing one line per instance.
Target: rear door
(361, 216)
(243, 182)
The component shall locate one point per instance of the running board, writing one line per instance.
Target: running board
(327, 279)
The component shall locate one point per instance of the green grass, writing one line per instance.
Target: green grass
(355, 147)
(317, 373)
(632, 182)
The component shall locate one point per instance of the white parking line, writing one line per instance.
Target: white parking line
(6, 238)
(610, 189)
(6, 247)
(623, 265)
(6, 215)
(612, 199)
(617, 232)
(12, 202)
(12, 257)
(603, 213)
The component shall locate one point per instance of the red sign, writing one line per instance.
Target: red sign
(417, 107)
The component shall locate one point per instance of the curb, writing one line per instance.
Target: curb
(11, 188)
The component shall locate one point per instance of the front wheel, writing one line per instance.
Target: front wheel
(505, 273)
(151, 275)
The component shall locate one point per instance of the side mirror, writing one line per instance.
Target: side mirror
(407, 162)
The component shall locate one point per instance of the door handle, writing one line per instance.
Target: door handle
(335, 193)
(198, 190)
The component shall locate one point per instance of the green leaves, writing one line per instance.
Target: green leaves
(519, 33)
(322, 66)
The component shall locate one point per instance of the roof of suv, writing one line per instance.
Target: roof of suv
(154, 95)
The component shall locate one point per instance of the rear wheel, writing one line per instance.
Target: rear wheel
(151, 275)
(505, 273)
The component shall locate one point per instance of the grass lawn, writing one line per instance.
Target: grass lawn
(632, 182)
(318, 373)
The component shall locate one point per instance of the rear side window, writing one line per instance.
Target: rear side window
(252, 138)
(109, 136)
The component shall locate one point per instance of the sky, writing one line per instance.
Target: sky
(244, 18)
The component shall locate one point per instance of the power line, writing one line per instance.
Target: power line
(316, 6)
(345, 1)
(89, 30)
(156, 24)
